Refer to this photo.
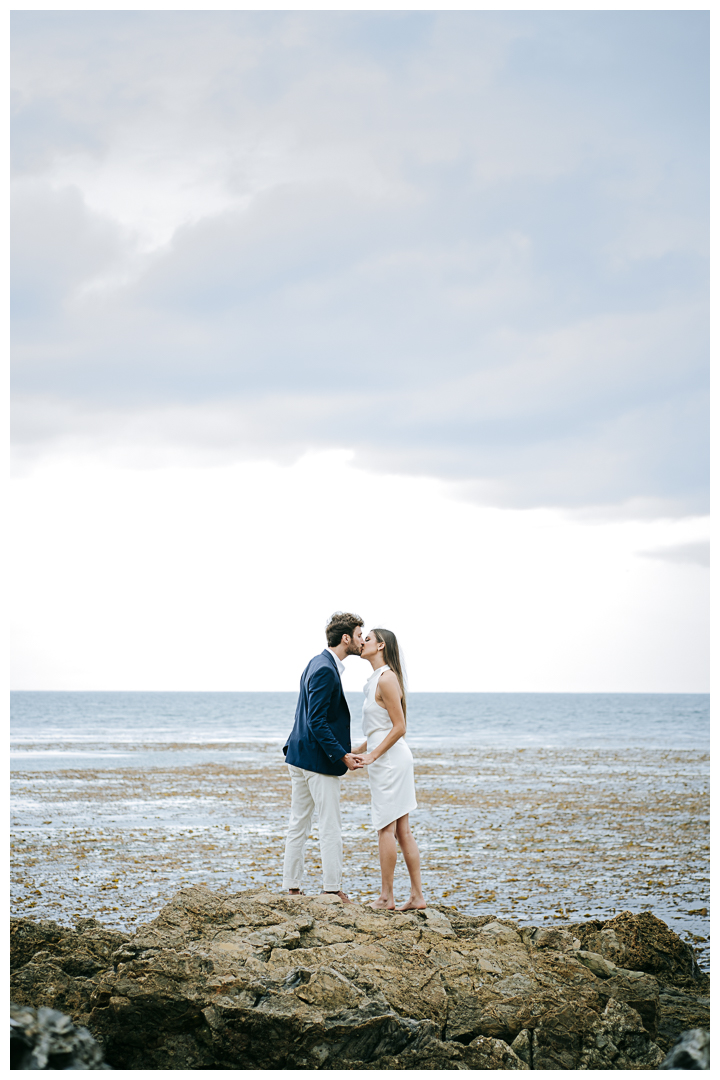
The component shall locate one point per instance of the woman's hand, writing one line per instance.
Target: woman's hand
(367, 759)
(352, 761)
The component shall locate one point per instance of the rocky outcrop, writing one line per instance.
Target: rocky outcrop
(47, 1039)
(260, 981)
(641, 943)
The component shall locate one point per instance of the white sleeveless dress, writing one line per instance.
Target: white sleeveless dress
(392, 779)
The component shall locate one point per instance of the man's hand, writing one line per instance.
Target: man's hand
(353, 761)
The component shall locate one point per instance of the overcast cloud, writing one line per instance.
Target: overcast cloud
(464, 245)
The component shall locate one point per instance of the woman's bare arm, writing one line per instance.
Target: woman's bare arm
(392, 702)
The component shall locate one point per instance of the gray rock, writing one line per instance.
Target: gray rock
(522, 1046)
(47, 1039)
(435, 921)
(554, 937)
(691, 1051)
(680, 1011)
(604, 969)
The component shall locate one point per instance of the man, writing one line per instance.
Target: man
(318, 754)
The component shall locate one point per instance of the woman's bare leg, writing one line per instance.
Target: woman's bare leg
(411, 855)
(388, 857)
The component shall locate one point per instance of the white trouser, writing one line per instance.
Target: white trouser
(314, 791)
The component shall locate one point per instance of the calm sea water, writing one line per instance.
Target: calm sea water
(69, 729)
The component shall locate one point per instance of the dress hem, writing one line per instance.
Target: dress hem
(395, 818)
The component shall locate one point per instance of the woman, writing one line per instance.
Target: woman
(390, 767)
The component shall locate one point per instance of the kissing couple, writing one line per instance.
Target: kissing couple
(318, 753)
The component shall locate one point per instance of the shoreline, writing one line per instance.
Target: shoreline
(532, 834)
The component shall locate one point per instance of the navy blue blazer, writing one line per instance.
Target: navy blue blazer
(320, 737)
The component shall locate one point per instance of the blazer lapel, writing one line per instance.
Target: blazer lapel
(331, 658)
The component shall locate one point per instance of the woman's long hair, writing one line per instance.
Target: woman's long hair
(393, 659)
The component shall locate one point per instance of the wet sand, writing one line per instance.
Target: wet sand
(538, 835)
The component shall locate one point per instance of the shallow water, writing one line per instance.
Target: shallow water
(110, 819)
(674, 721)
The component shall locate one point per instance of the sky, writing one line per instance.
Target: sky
(404, 313)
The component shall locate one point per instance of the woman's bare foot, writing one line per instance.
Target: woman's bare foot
(382, 905)
(414, 904)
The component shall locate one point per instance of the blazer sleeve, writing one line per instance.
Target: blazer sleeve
(320, 690)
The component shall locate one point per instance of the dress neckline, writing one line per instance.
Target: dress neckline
(377, 671)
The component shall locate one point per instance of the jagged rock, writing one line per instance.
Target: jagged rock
(83, 952)
(604, 969)
(679, 1011)
(47, 1039)
(641, 943)
(261, 981)
(522, 1046)
(481, 1053)
(691, 1051)
(554, 937)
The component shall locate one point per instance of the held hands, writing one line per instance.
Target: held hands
(353, 761)
(362, 755)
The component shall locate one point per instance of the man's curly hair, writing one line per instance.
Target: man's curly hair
(341, 622)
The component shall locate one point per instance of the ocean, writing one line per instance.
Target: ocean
(533, 806)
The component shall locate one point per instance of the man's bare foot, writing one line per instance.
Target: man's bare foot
(382, 905)
(338, 892)
(295, 892)
(413, 905)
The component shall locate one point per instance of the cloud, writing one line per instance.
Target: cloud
(697, 553)
(464, 245)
